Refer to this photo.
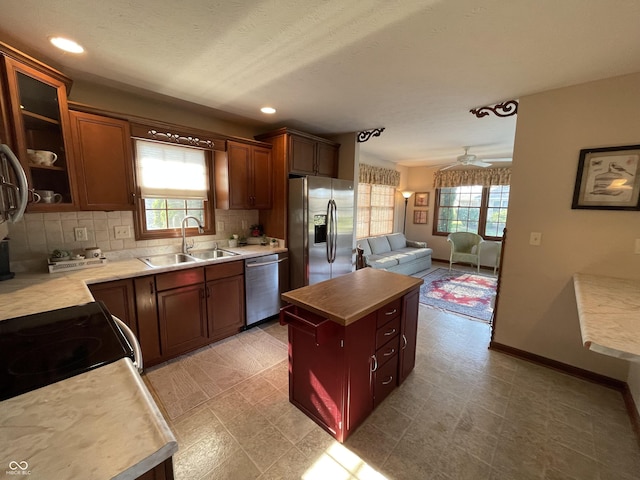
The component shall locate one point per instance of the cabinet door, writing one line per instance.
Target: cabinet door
(147, 313)
(327, 160)
(102, 148)
(239, 157)
(118, 296)
(261, 178)
(408, 334)
(182, 314)
(40, 117)
(302, 155)
(225, 306)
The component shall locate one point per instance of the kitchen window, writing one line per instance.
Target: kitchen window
(376, 204)
(474, 208)
(173, 182)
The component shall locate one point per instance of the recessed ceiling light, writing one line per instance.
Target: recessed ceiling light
(268, 110)
(66, 45)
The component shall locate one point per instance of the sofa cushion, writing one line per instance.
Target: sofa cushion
(379, 245)
(397, 241)
(415, 252)
(381, 261)
(364, 244)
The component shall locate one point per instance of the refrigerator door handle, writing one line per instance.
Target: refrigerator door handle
(334, 241)
(329, 233)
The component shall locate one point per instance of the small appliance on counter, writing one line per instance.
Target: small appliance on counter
(40, 349)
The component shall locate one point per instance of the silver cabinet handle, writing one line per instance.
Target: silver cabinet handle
(387, 382)
(392, 312)
(375, 363)
(388, 354)
(390, 332)
(404, 339)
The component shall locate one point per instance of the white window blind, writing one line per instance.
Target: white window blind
(171, 171)
(375, 210)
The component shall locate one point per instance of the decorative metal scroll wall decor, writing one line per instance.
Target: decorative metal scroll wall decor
(175, 138)
(504, 109)
(367, 134)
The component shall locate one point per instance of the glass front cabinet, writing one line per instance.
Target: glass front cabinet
(36, 109)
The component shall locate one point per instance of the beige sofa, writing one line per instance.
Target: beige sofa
(395, 253)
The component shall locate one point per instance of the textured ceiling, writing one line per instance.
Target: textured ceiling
(413, 67)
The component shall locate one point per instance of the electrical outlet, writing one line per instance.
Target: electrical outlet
(637, 246)
(122, 231)
(81, 234)
(245, 225)
(220, 226)
(535, 239)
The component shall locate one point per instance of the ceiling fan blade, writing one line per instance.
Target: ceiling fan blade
(480, 163)
(449, 166)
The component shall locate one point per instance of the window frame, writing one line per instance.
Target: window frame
(482, 220)
(369, 208)
(139, 217)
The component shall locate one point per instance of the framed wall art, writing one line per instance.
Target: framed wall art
(420, 216)
(421, 199)
(608, 179)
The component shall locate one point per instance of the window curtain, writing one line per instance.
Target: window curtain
(378, 176)
(171, 171)
(480, 176)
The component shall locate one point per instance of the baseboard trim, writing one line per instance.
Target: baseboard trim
(563, 367)
(622, 387)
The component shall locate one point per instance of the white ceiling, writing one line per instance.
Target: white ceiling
(412, 67)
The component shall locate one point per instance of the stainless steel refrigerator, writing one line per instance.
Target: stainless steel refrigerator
(320, 229)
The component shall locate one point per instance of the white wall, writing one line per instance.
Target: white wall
(537, 309)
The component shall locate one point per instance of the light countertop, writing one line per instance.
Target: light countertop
(350, 297)
(83, 427)
(609, 312)
(102, 423)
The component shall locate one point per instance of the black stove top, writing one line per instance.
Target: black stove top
(37, 350)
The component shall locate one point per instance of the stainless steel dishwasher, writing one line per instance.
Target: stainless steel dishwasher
(265, 279)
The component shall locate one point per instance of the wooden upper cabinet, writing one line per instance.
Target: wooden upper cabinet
(327, 160)
(243, 177)
(35, 117)
(102, 149)
(302, 155)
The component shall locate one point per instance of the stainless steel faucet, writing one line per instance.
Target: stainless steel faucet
(185, 248)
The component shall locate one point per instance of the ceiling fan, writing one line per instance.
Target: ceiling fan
(467, 159)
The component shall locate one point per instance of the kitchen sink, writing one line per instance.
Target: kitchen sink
(167, 259)
(211, 254)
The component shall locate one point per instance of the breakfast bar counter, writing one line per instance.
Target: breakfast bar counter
(352, 340)
(609, 313)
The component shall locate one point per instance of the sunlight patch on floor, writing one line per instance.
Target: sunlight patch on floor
(337, 462)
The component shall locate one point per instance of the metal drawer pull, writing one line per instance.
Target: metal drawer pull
(375, 363)
(387, 382)
(405, 341)
(390, 332)
(392, 312)
(387, 354)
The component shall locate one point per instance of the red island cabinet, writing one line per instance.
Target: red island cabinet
(339, 373)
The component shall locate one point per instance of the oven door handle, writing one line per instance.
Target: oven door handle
(137, 352)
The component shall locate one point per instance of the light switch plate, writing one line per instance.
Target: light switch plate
(637, 246)
(81, 234)
(535, 239)
(220, 226)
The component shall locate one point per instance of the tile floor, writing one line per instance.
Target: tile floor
(464, 413)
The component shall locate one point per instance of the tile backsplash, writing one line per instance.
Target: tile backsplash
(32, 240)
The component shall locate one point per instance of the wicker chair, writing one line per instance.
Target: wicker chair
(462, 248)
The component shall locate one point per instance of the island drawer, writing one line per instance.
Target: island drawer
(385, 380)
(322, 329)
(387, 351)
(389, 312)
(387, 332)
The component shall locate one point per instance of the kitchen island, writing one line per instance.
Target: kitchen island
(352, 340)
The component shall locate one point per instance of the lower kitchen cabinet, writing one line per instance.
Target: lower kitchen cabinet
(119, 298)
(225, 299)
(164, 471)
(147, 314)
(339, 374)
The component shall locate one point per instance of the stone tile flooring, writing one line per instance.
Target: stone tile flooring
(464, 413)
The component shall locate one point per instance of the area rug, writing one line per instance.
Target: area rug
(463, 293)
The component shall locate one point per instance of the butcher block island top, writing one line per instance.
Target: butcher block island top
(350, 297)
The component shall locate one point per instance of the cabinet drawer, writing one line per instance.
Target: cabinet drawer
(385, 380)
(224, 270)
(182, 278)
(389, 312)
(387, 351)
(387, 332)
(321, 329)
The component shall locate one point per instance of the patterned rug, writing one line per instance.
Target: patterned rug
(463, 293)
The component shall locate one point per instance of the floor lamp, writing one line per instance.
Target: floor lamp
(406, 194)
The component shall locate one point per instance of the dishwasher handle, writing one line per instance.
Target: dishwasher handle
(253, 265)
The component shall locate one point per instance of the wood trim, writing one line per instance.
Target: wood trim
(634, 414)
(560, 366)
(10, 52)
(290, 131)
